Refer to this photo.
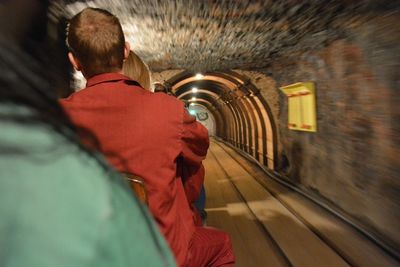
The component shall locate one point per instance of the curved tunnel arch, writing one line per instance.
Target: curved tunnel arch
(242, 116)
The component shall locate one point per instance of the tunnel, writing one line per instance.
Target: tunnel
(242, 117)
(327, 196)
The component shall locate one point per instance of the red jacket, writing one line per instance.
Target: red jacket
(145, 134)
(193, 179)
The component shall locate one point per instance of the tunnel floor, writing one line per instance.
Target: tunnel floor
(271, 225)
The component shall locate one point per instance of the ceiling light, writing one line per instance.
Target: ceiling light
(199, 76)
(194, 90)
(194, 99)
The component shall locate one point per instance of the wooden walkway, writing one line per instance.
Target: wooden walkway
(271, 225)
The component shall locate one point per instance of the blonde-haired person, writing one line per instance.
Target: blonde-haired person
(193, 178)
(137, 70)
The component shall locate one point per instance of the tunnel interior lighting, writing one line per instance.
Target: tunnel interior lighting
(194, 99)
(192, 104)
(195, 90)
(199, 76)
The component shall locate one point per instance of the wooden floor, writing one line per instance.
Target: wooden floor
(271, 225)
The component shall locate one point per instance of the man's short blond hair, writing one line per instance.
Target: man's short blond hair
(96, 39)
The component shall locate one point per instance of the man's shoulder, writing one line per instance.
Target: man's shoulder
(81, 93)
(94, 93)
(167, 100)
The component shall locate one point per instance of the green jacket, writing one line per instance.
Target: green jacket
(59, 207)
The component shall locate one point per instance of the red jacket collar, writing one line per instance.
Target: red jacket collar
(105, 77)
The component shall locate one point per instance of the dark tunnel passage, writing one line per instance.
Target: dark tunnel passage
(252, 71)
(243, 117)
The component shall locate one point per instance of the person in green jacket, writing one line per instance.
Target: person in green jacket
(60, 203)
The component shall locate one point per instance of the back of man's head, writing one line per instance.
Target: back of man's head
(96, 40)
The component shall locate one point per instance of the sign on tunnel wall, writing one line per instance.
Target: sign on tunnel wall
(204, 117)
(301, 105)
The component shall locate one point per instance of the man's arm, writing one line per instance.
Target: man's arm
(195, 143)
(195, 140)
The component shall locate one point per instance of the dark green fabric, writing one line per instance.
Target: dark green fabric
(58, 207)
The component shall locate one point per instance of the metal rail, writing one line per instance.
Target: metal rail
(278, 249)
(295, 214)
(283, 181)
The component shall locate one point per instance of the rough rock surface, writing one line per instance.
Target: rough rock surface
(222, 34)
(163, 76)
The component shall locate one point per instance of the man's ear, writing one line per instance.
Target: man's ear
(127, 49)
(74, 61)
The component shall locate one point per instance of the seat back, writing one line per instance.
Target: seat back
(138, 186)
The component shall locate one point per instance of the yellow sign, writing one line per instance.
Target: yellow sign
(302, 107)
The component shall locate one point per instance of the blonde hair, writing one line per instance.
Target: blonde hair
(137, 70)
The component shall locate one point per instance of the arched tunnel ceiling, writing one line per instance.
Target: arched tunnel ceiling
(204, 84)
(202, 35)
(216, 89)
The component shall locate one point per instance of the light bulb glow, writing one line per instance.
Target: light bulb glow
(199, 76)
(195, 90)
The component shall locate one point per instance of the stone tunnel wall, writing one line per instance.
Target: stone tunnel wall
(353, 161)
(163, 76)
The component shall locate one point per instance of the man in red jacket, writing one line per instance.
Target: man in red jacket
(142, 133)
